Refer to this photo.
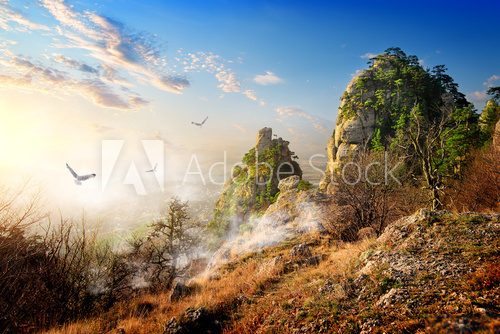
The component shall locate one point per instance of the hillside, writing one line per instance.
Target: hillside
(401, 236)
(433, 272)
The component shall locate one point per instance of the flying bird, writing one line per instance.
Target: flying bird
(152, 170)
(200, 124)
(79, 178)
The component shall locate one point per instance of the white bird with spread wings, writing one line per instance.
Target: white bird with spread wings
(79, 178)
(152, 170)
(200, 124)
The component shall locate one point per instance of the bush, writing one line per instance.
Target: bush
(53, 277)
(365, 197)
(304, 185)
(478, 189)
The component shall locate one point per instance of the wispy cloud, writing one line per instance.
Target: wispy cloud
(75, 64)
(115, 57)
(11, 19)
(240, 128)
(210, 63)
(368, 55)
(287, 111)
(250, 94)
(109, 42)
(268, 78)
(480, 97)
(24, 74)
(228, 82)
(477, 97)
(111, 75)
(491, 80)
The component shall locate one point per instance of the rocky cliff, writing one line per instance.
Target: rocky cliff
(298, 210)
(375, 107)
(254, 184)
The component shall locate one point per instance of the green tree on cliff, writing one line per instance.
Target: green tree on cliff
(420, 114)
(490, 115)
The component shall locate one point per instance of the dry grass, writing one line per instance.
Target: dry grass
(244, 278)
(295, 299)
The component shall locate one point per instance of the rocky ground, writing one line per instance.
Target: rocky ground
(432, 272)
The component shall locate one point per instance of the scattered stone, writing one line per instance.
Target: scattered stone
(301, 251)
(194, 320)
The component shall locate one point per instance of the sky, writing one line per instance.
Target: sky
(76, 76)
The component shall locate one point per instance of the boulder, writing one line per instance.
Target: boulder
(289, 183)
(300, 251)
(194, 320)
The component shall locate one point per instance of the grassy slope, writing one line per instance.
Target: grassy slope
(426, 273)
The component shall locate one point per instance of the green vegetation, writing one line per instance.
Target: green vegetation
(490, 115)
(419, 114)
(304, 185)
(253, 188)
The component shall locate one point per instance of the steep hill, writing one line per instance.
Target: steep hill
(433, 272)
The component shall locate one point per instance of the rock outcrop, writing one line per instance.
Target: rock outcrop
(294, 213)
(375, 108)
(496, 136)
(351, 131)
(254, 184)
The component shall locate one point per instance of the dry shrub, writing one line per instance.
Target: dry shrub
(485, 278)
(365, 195)
(53, 277)
(479, 189)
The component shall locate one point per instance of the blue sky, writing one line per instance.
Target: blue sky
(76, 72)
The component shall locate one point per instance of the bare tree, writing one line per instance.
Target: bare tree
(441, 140)
(167, 246)
(427, 139)
(366, 192)
(53, 274)
(478, 190)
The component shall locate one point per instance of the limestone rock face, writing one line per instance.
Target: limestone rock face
(254, 186)
(295, 212)
(264, 139)
(289, 183)
(352, 131)
(496, 136)
(375, 108)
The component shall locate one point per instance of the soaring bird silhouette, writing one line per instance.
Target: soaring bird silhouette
(79, 178)
(152, 170)
(200, 124)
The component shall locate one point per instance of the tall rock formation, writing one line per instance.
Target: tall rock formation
(353, 128)
(254, 184)
(375, 108)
